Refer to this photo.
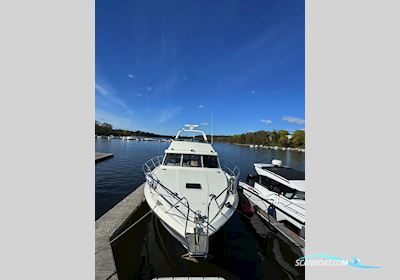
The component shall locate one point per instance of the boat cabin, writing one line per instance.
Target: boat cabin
(191, 152)
(279, 179)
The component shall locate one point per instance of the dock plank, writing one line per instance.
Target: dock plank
(106, 225)
(102, 156)
(294, 238)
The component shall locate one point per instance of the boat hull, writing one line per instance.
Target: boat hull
(175, 234)
(281, 211)
(175, 226)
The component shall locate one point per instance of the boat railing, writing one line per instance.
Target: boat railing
(154, 183)
(152, 163)
(231, 188)
(231, 176)
(290, 205)
(281, 201)
(191, 129)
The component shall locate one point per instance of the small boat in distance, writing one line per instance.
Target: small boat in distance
(189, 191)
(278, 192)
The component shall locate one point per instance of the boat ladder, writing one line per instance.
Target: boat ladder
(197, 241)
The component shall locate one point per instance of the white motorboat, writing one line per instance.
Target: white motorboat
(278, 192)
(189, 191)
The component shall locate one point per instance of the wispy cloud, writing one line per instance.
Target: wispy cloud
(253, 92)
(169, 113)
(138, 94)
(108, 92)
(204, 123)
(264, 121)
(201, 106)
(277, 91)
(116, 121)
(184, 78)
(149, 88)
(131, 76)
(291, 119)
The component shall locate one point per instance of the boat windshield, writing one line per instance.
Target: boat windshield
(191, 160)
(191, 139)
(172, 160)
(210, 162)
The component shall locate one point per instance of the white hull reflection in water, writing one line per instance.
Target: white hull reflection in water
(189, 191)
(245, 248)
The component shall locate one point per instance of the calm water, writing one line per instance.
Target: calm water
(245, 248)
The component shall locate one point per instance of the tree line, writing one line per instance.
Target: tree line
(106, 129)
(280, 138)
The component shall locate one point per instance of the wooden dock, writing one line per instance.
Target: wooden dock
(294, 238)
(102, 156)
(109, 223)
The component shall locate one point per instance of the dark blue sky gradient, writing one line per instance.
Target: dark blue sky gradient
(161, 64)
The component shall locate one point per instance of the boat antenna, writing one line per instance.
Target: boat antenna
(212, 125)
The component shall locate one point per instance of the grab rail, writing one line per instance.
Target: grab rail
(275, 200)
(232, 184)
(153, 161)
(152, 180)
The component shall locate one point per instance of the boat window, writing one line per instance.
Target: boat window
(210, 162)
(300, 195)
(276, 187)
(288, 192)
(172, 160)
(284, 190)
(266, 182)
(191, 160)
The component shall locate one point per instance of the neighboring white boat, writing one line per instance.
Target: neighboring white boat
(279, 192)
(189, 191)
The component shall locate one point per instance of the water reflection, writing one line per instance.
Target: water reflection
(244, 248)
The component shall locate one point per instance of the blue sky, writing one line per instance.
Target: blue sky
(161, 64)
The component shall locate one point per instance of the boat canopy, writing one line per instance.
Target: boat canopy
(286, 172)
(285, 175)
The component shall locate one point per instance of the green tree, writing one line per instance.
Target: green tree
(298, 139)
(283, 140)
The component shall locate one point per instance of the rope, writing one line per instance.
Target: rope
(131, 226)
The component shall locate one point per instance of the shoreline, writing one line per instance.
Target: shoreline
(270, 147)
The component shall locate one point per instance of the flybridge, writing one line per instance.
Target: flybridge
(191, 129)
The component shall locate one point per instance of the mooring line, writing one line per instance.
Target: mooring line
(131, 226)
